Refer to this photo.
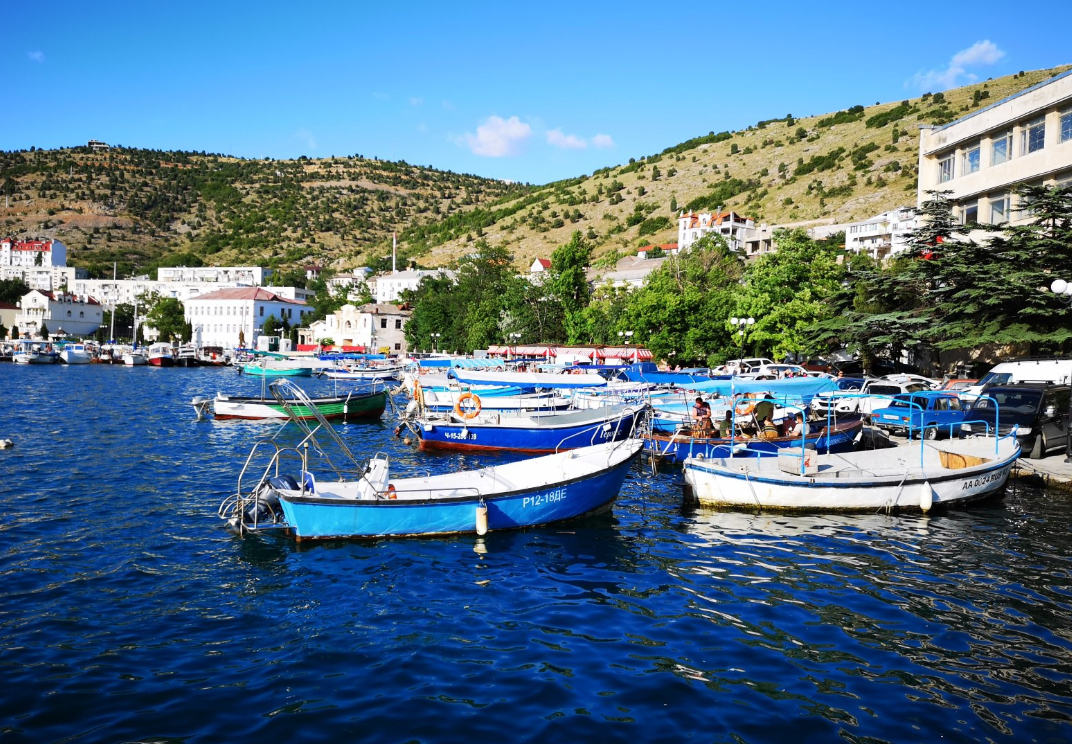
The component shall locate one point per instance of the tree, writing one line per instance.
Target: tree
(270, 327)
(568, 284)
(3, 332)
(167, 316)
(12, 290)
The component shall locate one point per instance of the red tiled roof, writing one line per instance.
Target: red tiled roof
(544, 262)
(246, 293)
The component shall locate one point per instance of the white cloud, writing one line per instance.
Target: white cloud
(415, 101)
(498, 137)
(557, 138)
(307, 138)
(978, 54)
(38, 57)
(602, 141)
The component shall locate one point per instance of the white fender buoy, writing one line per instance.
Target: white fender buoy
(926, 497)
(482, 520)
(6, 444)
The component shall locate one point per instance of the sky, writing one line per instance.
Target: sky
(529, 92)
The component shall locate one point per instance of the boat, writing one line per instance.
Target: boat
(212, 356)
(135, 357)
(187, 357)
(936, 474)
(528, 493)
(271, 367)
(676, 447)
(79, 353)
(551, 431)
(440, 394)
(161, 355)
(29, 351)
(363, 372)
(357, 404)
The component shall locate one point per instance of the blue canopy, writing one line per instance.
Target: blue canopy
(804, 388)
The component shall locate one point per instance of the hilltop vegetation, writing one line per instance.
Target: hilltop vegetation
(146, 208)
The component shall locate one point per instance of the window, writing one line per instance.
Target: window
(398, 324)
(398, 347)
(999, 210)
(1066, 126)
(1033, 136)
(945, 169)
(262, 311)
(969, 213)
(1026, 210)
(383, 322)
(971, 159)
(1000, 148)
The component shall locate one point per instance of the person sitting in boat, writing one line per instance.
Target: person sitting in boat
(725, 426)
(770, 431)
(701, 417)
(797, 426)
(764, 409)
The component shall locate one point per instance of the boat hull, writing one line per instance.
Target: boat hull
(865, 486)
(551, 437)
(255, 409)
(259, 371)
(312, 517)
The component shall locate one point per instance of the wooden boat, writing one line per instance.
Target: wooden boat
(268, 367)
(357, 404)
(526, 432)
(935, 474)
(680, 445)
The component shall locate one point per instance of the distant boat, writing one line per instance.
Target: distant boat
(187, 357)
(76, 354)
(29, 351)
(363, 372)
(161, 355)
(268, 367)
(135, 358)
(935, 474)
(357, 404)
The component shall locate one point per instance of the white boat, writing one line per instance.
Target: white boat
(28, 351)
(134, 358)
(76, 354)
(363, 372)
(934, 474)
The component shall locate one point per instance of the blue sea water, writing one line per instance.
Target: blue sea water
(128, 612)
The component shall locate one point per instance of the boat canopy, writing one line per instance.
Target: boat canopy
(458, 362)
(804, 388)
(528, 379)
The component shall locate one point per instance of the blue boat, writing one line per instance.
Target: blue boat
(528, 432)
(674, 448)
(529, 493)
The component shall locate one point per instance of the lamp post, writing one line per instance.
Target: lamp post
(740, 325)
(435, 342)
(1063, 290)
(626, 338)
(513, 338)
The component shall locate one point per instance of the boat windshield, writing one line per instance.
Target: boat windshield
(1016, 406)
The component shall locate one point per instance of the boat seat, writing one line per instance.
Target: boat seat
(374, 481)
(310, 482)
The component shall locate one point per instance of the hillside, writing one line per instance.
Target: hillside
(835, 167)
(145, 208)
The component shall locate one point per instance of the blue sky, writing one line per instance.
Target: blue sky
(523, 91)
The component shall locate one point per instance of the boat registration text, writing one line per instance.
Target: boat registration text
(544, 498)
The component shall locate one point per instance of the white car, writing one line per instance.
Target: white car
(873, 394)
(743, 366)
(779, 372)
(909, 378)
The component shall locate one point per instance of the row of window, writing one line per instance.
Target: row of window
(1032, 139)
(998, 209)
(286, 312)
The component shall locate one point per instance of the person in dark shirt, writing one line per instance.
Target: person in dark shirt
(701, 417)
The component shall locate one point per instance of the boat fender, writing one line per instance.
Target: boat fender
(926, 497)
(6, 444)
(482, 519)
(391, 493)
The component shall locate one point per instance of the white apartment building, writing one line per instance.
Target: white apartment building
(980, 158)
(233, 317)
(34, 252)
(45, 278)
(882, 235)
(251, 276)
(388, 287)
(59, 313)
(735, 228)
(374, 328)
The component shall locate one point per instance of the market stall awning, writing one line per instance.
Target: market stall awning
(499, 350)
(575, 352)
(531, 351)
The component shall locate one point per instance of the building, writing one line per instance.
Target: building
(389, 287)
(46, 278)
(31, 253)
(630, 272)
(540, 265)
(882, 235)
(61, 313)
(234, 317)
(373, 328)
(735, 228)
(8, 316)
(250, 276)
(981, 158)
(98, 145)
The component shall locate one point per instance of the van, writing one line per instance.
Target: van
(1037, 413)
(1040, 370)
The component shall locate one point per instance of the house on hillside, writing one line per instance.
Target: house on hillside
(883, 235)
(540, 265)
(735, 228)
(982, 157)
(666, 249)
(33, 252)
(372, 328)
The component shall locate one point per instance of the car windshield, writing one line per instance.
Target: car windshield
(850, 384)
(885, 389)
(906, 401)
(996, 378)
(1016, 407)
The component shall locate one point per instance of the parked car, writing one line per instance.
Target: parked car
(1039, 414)
(779, 372)
(740, 366)
(870, 395)
(1036, 370)
(909, 377)
(937, 413)
(855, 368)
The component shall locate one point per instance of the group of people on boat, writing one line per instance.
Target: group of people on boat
(758, 423)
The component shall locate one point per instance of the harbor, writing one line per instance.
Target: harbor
(132, 608)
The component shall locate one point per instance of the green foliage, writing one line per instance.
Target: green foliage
(13, 290)
(721, 194)
(820, 162)
(167, 316)
(896, 113)
(841, 117)
(653, 225)
(708, 139)
(271, 326)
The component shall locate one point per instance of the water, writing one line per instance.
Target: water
(129, 613)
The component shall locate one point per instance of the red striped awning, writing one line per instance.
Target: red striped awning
(499, 350)
(532, 351)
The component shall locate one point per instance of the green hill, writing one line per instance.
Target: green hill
(145, 208)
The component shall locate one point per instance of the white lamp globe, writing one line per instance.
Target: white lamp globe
(1058, 286)
(733, 321)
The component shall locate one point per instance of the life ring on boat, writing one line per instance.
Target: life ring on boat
(468, 413)
(418, 393)
(391, 494)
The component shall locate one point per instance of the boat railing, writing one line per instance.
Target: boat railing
(241, 506)
(630, 413)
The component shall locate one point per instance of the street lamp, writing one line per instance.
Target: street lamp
(435, 342)
(512, 338)
(1063, 290)
(741, 325)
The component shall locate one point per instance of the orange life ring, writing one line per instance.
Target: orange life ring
(418, 393)
(471, 412)
(745, 407)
